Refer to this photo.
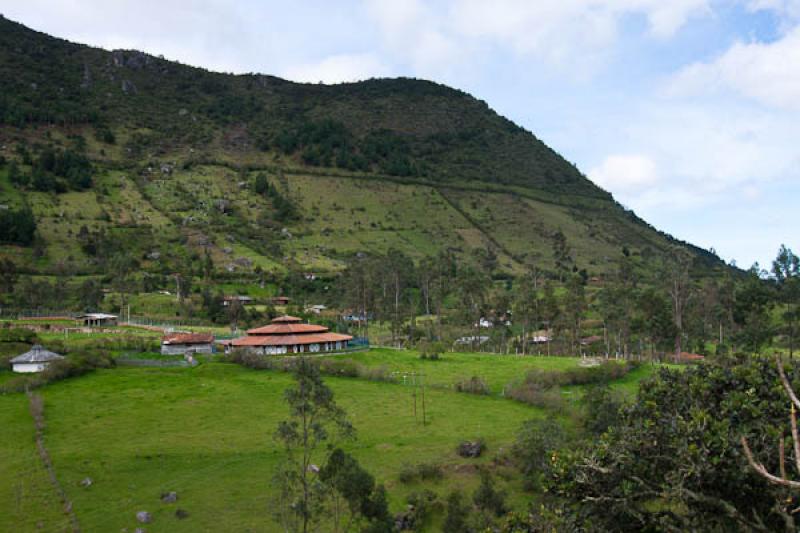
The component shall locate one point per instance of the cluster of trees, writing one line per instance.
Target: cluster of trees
(733, 312)
(640, 311)
(285, 210)
(17, 226)
(54, 170)
(329, 143)
(674, 460)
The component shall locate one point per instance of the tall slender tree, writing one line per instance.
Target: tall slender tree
(786, 272)
(314, 419)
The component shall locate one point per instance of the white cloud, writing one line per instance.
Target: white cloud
(338, 69)
(785, 8)
(559, 32)
(766, 72)
(625, 173)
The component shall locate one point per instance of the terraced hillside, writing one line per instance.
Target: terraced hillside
(175, 153)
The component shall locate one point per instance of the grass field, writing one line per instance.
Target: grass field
(206, 433)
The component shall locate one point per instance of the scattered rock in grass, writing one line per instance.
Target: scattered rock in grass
(86, 482)
(314, 469)
(404, 521)
(169, 497)
(144, 517)
(140, 530)
(471, 449)
(180, 514)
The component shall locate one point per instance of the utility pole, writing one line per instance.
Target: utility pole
(424, 419)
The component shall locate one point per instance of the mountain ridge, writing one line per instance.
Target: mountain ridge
(147, 120)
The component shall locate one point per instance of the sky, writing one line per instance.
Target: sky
(687, 111)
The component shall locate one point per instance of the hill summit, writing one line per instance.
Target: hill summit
(123, 152)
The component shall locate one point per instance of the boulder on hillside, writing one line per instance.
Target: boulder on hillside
(169, 497)
(144, 517)
(471, 449)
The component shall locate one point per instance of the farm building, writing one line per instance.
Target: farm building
(316, 309)
(98, 319)
(244, 300)
(181, 343)
(280, 300)
(35, 360)
(287, 334)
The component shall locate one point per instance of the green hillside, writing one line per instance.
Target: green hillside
(125, 154)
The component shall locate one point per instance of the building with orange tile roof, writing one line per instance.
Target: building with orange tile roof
(288, 334)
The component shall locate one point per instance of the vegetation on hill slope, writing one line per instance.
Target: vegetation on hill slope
(132, 146)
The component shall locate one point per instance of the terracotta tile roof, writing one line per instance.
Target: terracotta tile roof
(285, 319)
(287, 329)
(289, 340)
(188, 338)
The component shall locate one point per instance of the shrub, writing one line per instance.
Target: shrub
(339, 367)
(18, 335)
(532, 451)
(455, 520)
(540, 387)
(423, 472)
(488, 498)
(602, 409)
(423, 504)
(473, 385)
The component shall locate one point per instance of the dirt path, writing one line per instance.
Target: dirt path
(36, 405)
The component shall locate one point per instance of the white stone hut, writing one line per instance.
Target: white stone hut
(35, 360)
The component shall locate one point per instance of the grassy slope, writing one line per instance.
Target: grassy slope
(207, 434)
(496, 370)
(27, 500)
(466, 155)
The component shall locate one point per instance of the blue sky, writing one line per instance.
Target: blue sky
(688, 111)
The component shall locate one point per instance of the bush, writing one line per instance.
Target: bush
(423, 504)
(339, 367)
(532, 451)
(540, 387)
(431, 350)
(602, 409)
(422, 472)
(473, 385)
(488, 498)
(455, 520)
(18, 335)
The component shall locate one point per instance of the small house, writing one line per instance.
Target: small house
(280, 300)
(182, 343)
(244, 300)
(472, 340)
(316, 309)
(35, 360)
(98, 320)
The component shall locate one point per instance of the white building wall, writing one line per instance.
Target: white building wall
(29, 368)
(180, 349)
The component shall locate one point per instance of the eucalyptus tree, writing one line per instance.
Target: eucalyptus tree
(786, 272)
(314, 419)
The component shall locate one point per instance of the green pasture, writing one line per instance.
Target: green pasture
(206, 433)
(497, 370)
